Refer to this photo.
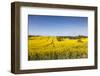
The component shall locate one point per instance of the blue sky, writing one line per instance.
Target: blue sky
(57, 25)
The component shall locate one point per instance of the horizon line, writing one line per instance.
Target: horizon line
(57, 35)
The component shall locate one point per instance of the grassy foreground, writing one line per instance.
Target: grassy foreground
(56, 47)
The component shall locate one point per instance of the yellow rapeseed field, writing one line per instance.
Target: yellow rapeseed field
(53, 47)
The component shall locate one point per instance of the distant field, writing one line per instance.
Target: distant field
(57, 47)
